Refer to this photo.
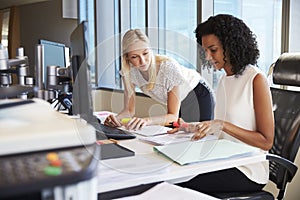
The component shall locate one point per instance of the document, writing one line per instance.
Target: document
(149, 131)
(179, 137)
(200, 151)
(101, 115)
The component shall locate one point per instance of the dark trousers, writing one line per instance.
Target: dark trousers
(198, 105)
(229, 180)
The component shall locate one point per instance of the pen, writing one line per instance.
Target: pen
(177, 125)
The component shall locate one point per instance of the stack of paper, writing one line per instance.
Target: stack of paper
(174, 138)
(149, 131)
(199, 151)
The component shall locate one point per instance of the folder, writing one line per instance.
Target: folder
(201, 151)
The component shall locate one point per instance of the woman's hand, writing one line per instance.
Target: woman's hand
(136, 123)
(112, 121)
(200, 129)
(184, 126)
(206, 128)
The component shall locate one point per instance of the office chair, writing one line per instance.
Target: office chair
(287, 129)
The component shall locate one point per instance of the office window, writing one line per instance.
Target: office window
(138, 14)
(264, 19)
(86, 12)
(114, 18)
(177, 22)
(169, 25)
(132, 14)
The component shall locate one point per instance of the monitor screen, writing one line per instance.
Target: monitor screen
(82, 98)
(54, 55)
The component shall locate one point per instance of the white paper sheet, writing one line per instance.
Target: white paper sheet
(174, 138)
(167, 191)
(151, 130)
(146, 131)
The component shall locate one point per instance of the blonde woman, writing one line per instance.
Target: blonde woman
(182, 90)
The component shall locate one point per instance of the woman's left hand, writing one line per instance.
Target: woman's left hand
(136, 123)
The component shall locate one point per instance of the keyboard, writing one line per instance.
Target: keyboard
(111, 132)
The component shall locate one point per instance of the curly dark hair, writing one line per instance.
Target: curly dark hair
(236, 38)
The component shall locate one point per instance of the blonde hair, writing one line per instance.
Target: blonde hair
(130, 38)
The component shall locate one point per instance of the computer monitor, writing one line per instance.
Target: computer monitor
(54, 55)
(82, 103)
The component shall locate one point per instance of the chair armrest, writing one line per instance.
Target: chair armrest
(287, 164)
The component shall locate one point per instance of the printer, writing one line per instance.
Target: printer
(45, 154)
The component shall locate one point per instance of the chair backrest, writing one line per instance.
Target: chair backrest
(286, 105)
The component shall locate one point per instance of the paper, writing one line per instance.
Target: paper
(174, 138)
(101, 115)
(147, 131)
(121, 169)
(151, 130)
(166, 190)
(200, 151)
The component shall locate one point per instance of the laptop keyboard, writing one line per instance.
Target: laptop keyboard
(111, 132)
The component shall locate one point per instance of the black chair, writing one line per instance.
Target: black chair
(286, 105)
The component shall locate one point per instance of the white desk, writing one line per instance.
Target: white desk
(148, 167)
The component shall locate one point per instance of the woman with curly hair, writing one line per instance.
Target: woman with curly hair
(243, 110)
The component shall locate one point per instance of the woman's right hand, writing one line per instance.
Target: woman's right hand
(190, 127)
(112, 121)
(200, 129)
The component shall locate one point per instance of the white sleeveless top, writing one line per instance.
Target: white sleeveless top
(170, 74)
(234, 103)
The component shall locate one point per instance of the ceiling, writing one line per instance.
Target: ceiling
(8, 3)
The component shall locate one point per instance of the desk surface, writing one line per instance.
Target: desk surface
(148, 167)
